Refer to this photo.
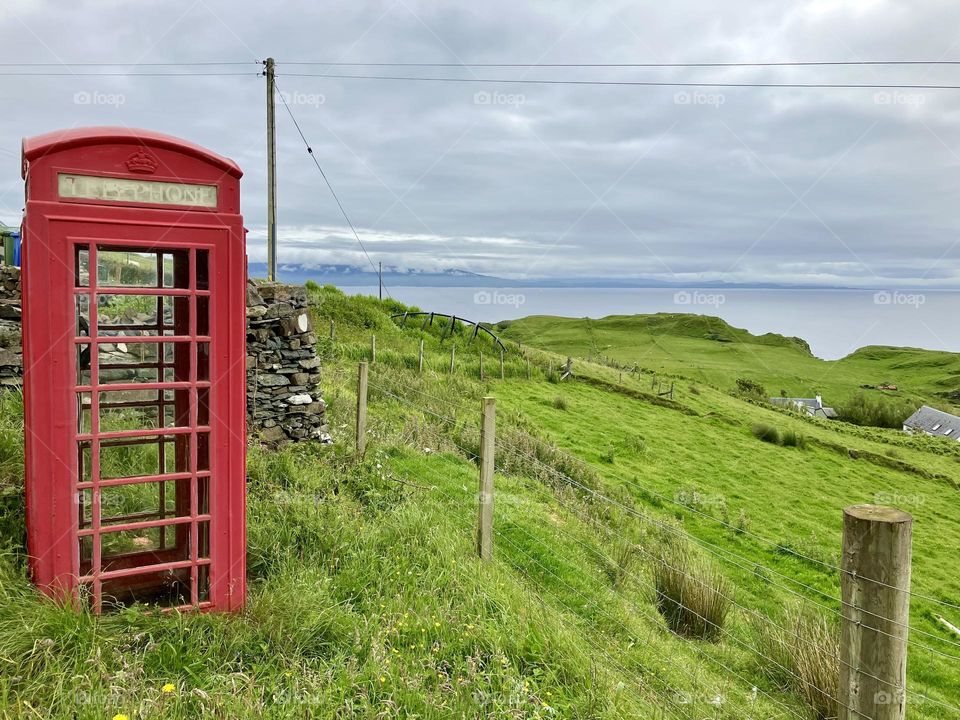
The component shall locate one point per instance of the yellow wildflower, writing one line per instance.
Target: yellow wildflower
(168, 688)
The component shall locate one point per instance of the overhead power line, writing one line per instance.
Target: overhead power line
(631, 83)
(332, 191)
(785, 63)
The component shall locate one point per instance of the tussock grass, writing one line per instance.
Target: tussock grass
(691, 595)
(800, 652)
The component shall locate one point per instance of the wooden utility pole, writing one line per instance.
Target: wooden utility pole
(373, 349)
(362, 409)
(271, 172)
(420, 358)
(380, 278)
(488, 431)
(875, 592)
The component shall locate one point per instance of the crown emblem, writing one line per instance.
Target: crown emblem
(142, 162)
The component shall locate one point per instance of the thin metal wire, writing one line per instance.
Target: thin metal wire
(330, 187)
(631, 83)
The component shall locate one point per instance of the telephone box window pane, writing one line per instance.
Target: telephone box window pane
(82, 352)
(203, 496)
(82, 315)
(119, 412)
(86, 551)
(203, 583)
(124, 542)
(133, 267)
(83, 461)
(83, 413)
(165, 588)
(203, 451)
(203, 270)
(203, 406)
(203, 361)
(81, 266)
(119, 315)
(123, 362)
(203, 540)
(123, 459)
(141, 501)
(203, 315)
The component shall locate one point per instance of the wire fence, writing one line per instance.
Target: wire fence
(452, 415)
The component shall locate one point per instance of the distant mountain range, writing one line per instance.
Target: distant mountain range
(350, 276)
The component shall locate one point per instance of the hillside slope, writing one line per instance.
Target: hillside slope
(367, 599)
(707, 349)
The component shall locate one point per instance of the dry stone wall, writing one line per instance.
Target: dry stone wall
(11, 342)
(283, 371)
(284, 402)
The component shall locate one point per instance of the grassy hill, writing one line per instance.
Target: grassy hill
(366, 597)
(707, 349)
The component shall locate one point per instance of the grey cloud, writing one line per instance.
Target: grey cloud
(696, 183)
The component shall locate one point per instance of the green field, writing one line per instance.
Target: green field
(708, 350)
(366, 597)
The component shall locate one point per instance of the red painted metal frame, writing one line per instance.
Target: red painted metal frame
(209, 458)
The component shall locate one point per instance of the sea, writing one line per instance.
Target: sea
(833, 322)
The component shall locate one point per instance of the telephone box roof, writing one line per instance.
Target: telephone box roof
(39, 145)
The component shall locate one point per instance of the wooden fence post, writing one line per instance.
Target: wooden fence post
(362, 409)
(373, 349)
(528, 368)
(875, 593)
(332, 334)
(501, 365)
(453, 355)
(420, 358)
(481, 366)
(488, 430)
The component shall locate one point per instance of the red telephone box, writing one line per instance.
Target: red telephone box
(134, 282)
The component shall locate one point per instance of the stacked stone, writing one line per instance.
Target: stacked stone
(283, 371)
(11, 345)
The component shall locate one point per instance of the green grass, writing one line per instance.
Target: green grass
(708, 350)
(366, 599)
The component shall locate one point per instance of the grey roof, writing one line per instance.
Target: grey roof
(935, 422)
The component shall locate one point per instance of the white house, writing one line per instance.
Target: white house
(813, 407)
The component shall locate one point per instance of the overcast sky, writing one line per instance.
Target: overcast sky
(851, 187)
